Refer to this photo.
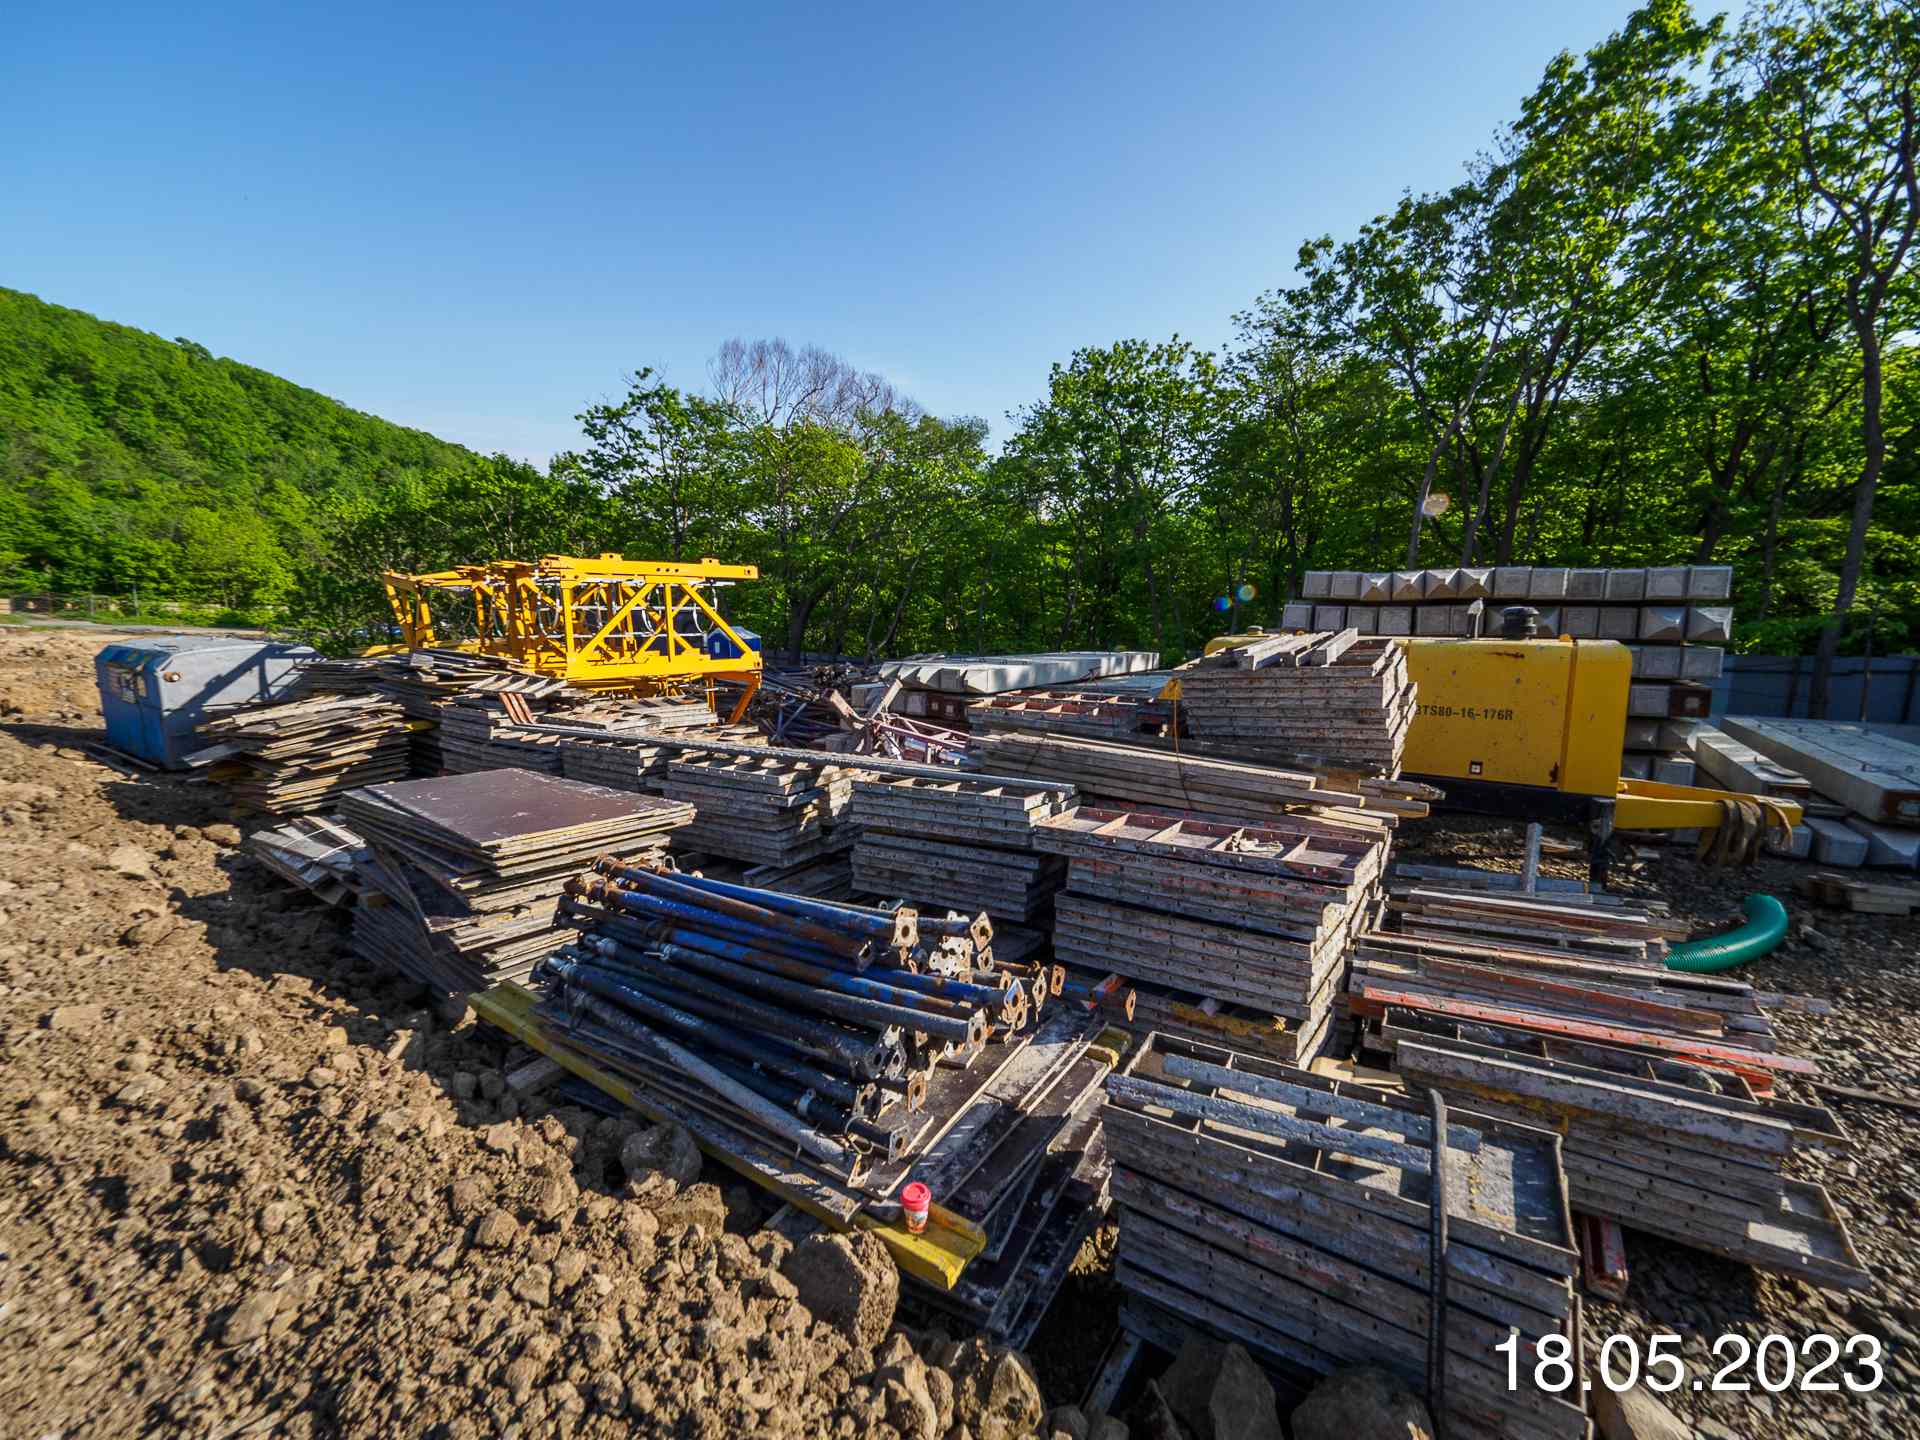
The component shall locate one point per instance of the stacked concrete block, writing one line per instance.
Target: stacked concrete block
(1513, 582)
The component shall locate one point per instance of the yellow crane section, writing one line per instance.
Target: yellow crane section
(603, 622)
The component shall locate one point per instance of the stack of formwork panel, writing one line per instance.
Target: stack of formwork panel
(477, 726)
(1258, 918)
(770, 811)
(1674, 1143)
(424, 682)
(1294, 1214)
(1329, 696)
(1102, 715)
(462, 884)
(1675, 619)
(967, 844)
(302, 755)
(638, 760)
(1159, 777)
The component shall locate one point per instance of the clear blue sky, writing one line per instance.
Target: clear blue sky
(476, 218)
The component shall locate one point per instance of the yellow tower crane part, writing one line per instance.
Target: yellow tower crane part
(603, 622)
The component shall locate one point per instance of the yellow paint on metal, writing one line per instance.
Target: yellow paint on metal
(1651, 805)
(1547, 713)
(937, 1255)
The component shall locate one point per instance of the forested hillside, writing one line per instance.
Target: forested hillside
(1667, 317)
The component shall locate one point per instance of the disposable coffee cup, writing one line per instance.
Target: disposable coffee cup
(914, 1200)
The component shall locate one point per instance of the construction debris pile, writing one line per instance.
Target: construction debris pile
(1330, 697)
(1557, 1010)
(1206, 915)
(1301, 1217)
(636, 760)
(316, 853)
(967, 843)
(463, 876)
(303, 755)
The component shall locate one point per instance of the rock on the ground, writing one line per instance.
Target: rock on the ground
(1219, 1393)
(995, 1393)
(668, 1150)
(1365, 1403)
(1107, 1427)
(1635, 1414)
(1151, 1419)
(849, 1281)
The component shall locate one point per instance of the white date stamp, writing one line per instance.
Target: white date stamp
(1774, 1363)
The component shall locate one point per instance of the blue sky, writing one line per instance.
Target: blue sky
(476, 218)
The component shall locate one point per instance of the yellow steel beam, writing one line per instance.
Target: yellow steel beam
(1651, 805)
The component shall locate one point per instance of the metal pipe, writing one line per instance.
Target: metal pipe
(870, 986)
(862, 1055)
(849, 940)
(644, 933)
(696, 913)
(893, 929)
(851, 1008)
(751, 1049)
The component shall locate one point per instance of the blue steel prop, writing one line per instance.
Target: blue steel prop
(861, 1099)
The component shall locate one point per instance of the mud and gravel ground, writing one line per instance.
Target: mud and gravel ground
(249, 1187)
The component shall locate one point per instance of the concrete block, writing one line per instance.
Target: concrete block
(1673, 770)
(1297, 615)
(1549, 621)
(1473, 584)
(1376, 586)
(1658, 662)
(1329, 617)
(1702, 662)
(1642, 733)
(1513, 582)
(1548, 583)
(1676, 736)
(1314, 584)
(1890, 845)
(1837, 844)
(1798, 846)
(1630, 584)
(1586, 584)
(1443, 585)
(1582, 622)
(1344, 585)
(1636, 767)
(1364, 618)
(1667, 582)
(1434, 620)
(1664, 624)
(1709, 582)
(1395, 620)
(1648, 701)
(1618, 622)
(1409, 586)
(1710, 624)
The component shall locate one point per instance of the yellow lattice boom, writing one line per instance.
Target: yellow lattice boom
(605, 622)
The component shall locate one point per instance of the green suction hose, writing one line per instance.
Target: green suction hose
(1766, 927)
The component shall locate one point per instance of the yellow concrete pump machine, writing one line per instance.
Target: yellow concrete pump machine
(1533, 727)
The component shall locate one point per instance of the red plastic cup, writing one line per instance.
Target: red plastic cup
(914, 1201)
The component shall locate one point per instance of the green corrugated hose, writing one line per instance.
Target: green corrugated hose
(1766, 927)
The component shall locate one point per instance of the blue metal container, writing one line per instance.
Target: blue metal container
(156, 692)
(719, 647)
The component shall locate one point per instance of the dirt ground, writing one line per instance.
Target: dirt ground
(250, 1187)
